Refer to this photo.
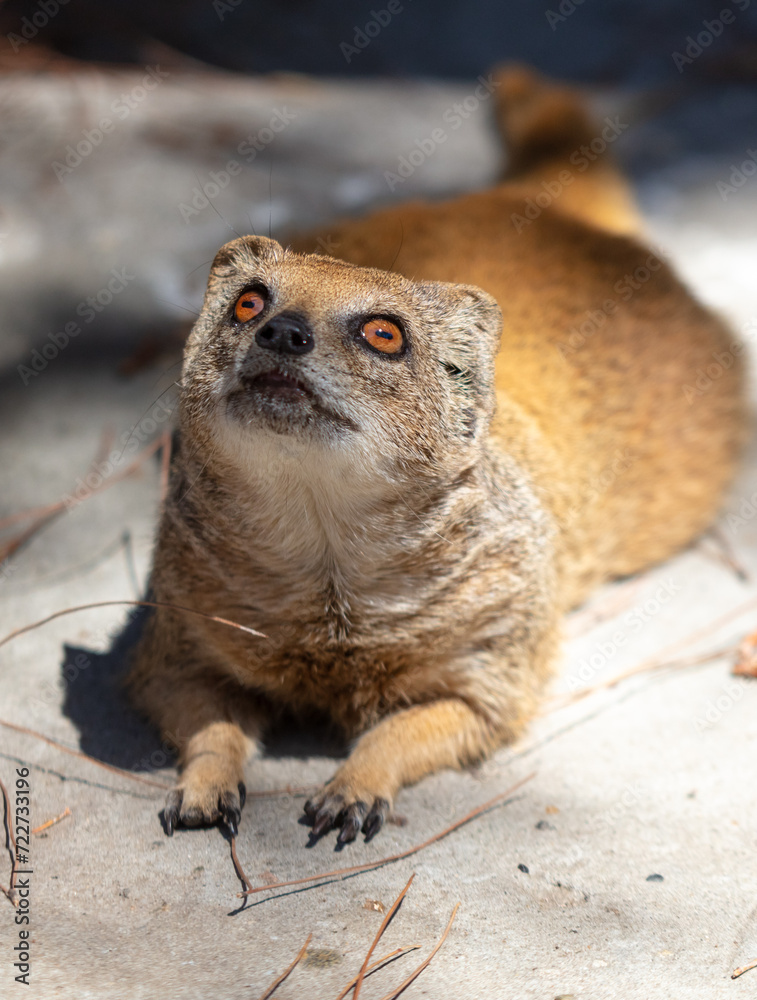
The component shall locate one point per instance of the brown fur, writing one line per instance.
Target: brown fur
(409, 536)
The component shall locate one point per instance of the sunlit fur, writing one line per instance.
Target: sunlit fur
(409, 536)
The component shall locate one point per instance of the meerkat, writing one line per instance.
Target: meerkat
(404, 462)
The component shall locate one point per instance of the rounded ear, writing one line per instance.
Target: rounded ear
(243, 252)
(466, 338)
(233, 259)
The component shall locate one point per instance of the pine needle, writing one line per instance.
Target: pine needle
(139, 604)
(10, 842)
(356, 869)
(379, 962)
(743, 968)
(414, 975)
(379, 933)
(277, 982)
(53, 821)
(84, 756)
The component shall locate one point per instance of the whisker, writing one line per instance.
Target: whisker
(185, 494)
(225, 221)
(177, 306)
(131, 432)
(270, 201)
(402, 240)
(204, 264)
(166, 371)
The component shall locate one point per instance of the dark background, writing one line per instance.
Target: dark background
(600, 41)
(229, 63)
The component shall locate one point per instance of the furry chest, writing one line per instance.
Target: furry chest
(354, 686)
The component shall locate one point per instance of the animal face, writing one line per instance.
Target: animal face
(298, 355)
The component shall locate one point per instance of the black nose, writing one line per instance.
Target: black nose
(286, 333)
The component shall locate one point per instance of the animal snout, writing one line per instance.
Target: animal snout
(286, 333)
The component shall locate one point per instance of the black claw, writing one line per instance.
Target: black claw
(310, 810)
(349, 831)
(353, 820)
(323, 821)
(231, 811)
(375, 818)
(326, 815)
(172, 811)
(242, 794)
(231, 818)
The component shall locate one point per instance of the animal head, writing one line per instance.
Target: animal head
(308, 360)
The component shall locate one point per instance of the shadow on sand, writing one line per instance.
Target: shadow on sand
(112, 731)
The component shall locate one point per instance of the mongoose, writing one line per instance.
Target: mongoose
(404, 462)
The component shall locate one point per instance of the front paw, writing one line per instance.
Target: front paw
(340, 805)
(202, 803)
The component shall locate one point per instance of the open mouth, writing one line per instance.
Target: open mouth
(285, 402)
(278, 384)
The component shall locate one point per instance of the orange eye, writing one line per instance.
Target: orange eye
(383, 336)
(248, 306)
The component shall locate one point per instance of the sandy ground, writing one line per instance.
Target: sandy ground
(651, 777)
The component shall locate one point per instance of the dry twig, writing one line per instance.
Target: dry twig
(584, 619)
(41, 515)
(277, 982)
(743, 968)
(414, 975)
(746, 657)
(138, 604)
(237, 866)
(379, 933)
(648, 666)
(53, 821)
(356, 869)
(726, 554)
(12, 546)
(10, 843)
(661, 661)
(84, 756)
(372, 968)
(265, 793)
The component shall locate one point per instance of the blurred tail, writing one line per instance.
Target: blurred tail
(554, 142)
